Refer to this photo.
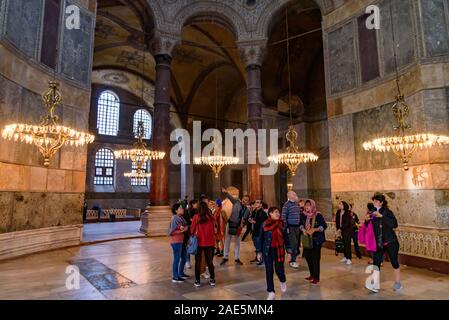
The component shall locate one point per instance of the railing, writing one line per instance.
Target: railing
(416, 241)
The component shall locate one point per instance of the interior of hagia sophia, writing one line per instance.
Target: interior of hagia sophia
(262, 64)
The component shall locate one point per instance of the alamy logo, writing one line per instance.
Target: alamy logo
(72, 21)
(72, 282)
(373, 20)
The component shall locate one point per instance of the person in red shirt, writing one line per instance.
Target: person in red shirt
(203, 228)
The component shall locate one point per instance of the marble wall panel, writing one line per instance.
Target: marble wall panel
(412, 207)
(77, 45)
(341, 144)
(442, 206)
(23, 24)
(32, 210)
(434, 19)
(403, 32)
(341, 59)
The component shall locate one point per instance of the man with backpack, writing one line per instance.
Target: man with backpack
(239, 215)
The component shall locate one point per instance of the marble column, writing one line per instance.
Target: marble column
(252, 56)
(158, 213)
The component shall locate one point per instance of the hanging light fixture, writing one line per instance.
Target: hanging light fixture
(404, 145)
(216, 162)
(139, 155)
(49, 136)
(293, 156)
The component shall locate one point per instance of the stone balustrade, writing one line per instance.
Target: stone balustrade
(416, 241)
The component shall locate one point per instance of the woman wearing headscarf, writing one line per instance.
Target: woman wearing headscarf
(313, 225)
(272, 243)
(176, 230)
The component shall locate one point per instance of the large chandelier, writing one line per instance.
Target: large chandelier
(139, 155)
(404, 146)
(49, 136)
(216, 163)
(293, 157)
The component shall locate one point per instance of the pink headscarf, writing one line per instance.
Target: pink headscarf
(311, 213)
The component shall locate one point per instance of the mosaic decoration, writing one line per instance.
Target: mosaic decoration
(133, 59)
(118, 78)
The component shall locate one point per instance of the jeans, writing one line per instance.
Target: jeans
(256, 243)
(313, 257)
(272, 265)
(293, 237)
(209, 255)
(227, 247)
(179, 259)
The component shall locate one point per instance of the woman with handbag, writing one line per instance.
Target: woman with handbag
(384, 222)
(176, 230)
(271, 248)
(203, 229)
(312, 225)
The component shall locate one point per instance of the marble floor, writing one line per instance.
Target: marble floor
(93, 232)
(141, 269)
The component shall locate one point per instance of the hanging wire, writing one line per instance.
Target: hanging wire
(394, 48)
(288, 68)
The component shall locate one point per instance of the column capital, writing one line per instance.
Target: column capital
(252, 52)
(163, 44)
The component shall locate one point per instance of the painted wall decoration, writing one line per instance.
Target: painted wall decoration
(76, 55)
(23, 25)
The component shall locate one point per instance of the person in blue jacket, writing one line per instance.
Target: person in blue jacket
(313, 224)
(273, 240)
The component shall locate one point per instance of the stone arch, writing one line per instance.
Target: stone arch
(272, 10)
(220, 11)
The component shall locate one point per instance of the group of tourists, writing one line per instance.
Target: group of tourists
(205, 228)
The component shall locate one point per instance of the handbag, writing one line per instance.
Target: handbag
(192, 245)
(307, 240)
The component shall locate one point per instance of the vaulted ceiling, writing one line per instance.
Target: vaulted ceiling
(207, 72)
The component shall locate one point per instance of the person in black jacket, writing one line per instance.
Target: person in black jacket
(273, 242)
(355, 235)
(345, 225)
(384, 222)
(312, 224)
(257, 219)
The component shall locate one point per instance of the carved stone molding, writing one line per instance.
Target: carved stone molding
(164, 43)
(421, 242)
(252, 52)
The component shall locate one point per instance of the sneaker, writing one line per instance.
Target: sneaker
(344, 260)
(271, 296)
(212, 282)
(397, 286)
(223, 261)
(260, 264)
(188, 265)
(309, 278)
(348, 262)
(177, 280)
(370, 287)
(294, 265)
(197, 284)
(184, 276)
(205, 275)
(314, 281)
(284, 286)
(239, 262)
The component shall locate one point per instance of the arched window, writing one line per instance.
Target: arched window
(108, 113)
(104, 167)
(141, 182)
(144, 116)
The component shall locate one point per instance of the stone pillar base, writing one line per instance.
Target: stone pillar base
(155, 221)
